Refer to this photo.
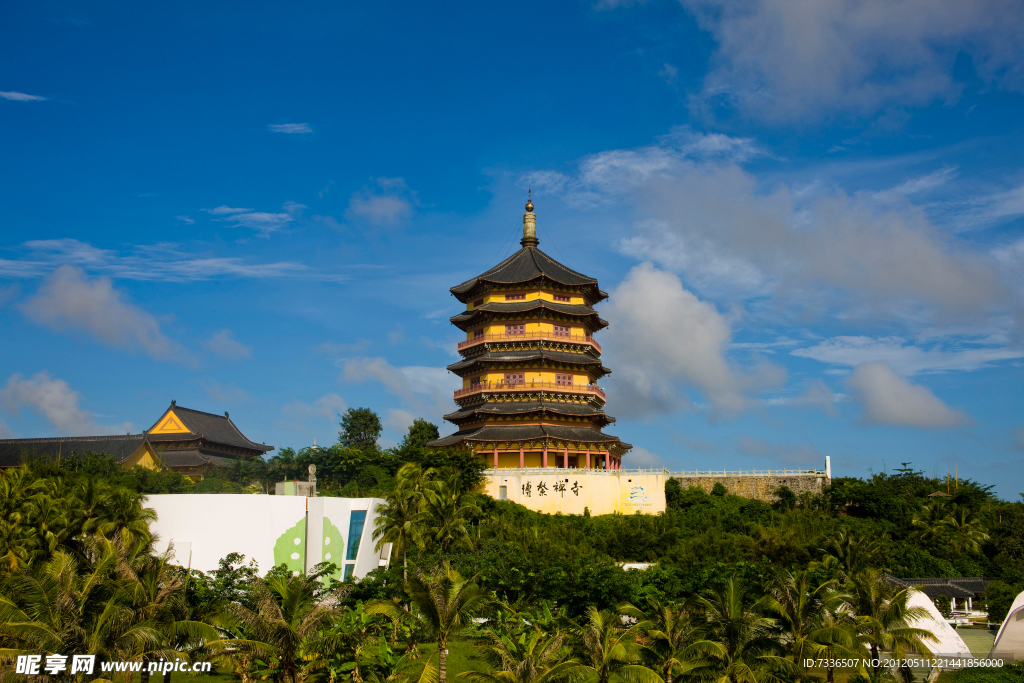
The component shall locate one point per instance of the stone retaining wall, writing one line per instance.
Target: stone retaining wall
(756, 486)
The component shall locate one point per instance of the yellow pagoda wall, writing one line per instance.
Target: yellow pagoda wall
(498, 375)
(531, 327)
(499, 297)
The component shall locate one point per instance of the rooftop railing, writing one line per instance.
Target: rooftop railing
(530, 385)
(547, 336)
(695, 473)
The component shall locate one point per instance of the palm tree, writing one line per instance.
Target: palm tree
(284, 627)
(445, 603)
(802, 609)
(446, 512)
(929, 521)
(536, 658)
(966, 529)
(674, 641)
(610, 652)
(853, 553)
(156, 593)
(750, 649)
(884, 619)
(62, 607)
(398, 523)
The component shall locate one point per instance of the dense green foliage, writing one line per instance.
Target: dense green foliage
(739, 590)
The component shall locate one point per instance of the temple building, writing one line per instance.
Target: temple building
(188, 441)
(530, 365)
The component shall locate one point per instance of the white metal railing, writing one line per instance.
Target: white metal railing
(681, 475)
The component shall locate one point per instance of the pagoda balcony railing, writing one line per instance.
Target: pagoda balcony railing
(548, 336)
(530, 385)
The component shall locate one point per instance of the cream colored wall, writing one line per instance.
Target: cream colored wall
(602, 492)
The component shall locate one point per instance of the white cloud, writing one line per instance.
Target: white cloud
(838, 250)
(328, 406)
(262, 222)
(57, 402)
(399, 420)
(224, 393)
(790, 60)
(817, 395)
(6, 432)
(69, 301)
(424, 390)
(224, 344)
(290, 128)
(21, 97)
(890, 399)
(801, 455)
(160, 262)
(641, 458)
(851, 351)
(662, 337)
(225, 210)
(388, 204)
(186, 220)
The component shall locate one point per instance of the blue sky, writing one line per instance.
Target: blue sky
(808, 215)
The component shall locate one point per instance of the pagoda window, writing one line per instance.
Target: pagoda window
(478, 333)
(563, 297)
(474, 381)
(479, 302)
(515, 330)
(515, 297)
(563, 380)
(561, 330)
(515, 378)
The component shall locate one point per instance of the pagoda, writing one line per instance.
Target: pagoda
(530, 365)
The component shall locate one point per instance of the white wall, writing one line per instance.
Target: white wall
(294, 530)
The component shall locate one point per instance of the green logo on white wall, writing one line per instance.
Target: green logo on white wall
(290, 548)
(334, 546)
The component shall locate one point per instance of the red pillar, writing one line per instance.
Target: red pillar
(495, 458)
(588, 458)
(566, 463)
(522, 459)
(544, 458)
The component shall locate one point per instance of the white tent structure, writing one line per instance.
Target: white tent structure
(949, 643)
(1009, 643)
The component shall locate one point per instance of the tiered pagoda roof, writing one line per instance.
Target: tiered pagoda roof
(530, 365)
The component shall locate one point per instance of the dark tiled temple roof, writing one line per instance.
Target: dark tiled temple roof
(14, 451)
(529, 407)
(528, 355)
(960, 587)
(516, 432)
(212, 428)
(526, 265)
(195, 458)
(465, 319)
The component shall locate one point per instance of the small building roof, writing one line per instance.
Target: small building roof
(526, 265)
(120, 447)
(939, 494)
(195, 458)
(958, 587)
(212, 428)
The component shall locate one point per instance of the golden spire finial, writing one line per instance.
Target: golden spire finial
(529, 221)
